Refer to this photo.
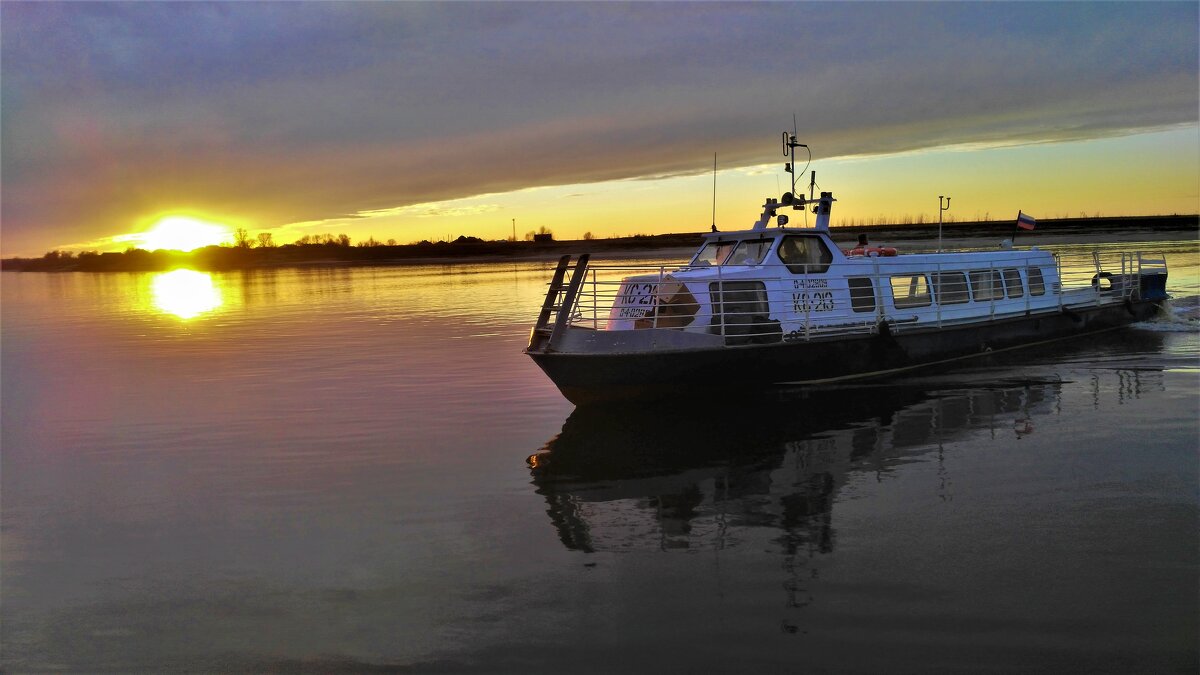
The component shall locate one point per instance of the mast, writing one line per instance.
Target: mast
(823, 206)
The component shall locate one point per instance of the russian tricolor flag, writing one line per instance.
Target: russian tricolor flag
(1025, 221)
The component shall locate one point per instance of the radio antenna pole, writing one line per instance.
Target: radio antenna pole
(714, 213)
(789, 151)
(795, 133)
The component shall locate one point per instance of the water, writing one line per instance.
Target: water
(325, 470)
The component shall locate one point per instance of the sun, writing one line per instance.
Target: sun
(183, 233)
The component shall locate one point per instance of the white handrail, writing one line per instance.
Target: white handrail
(1071, 279)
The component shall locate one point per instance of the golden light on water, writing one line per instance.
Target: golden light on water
(183, 233)
(185, 293)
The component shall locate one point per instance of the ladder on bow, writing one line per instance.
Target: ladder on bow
(560, 301)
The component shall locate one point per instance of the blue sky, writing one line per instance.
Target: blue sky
(294, 117)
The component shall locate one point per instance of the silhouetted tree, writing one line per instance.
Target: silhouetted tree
(241, 238)
(265, 240)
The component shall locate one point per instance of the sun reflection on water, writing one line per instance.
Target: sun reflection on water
(185, 293)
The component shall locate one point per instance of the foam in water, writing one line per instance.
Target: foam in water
(1178, 315)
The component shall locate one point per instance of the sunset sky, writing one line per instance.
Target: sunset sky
(421, 121)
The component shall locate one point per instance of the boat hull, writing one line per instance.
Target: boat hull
(587, 378)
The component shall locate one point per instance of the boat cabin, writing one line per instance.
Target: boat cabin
(757, 286)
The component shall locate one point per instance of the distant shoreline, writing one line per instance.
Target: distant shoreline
(218, 258)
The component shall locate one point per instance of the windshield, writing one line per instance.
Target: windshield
(749, 252)
(713, 253)
(732, 253)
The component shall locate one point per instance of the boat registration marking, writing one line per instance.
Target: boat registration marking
(820, 301)
(810, 283)
(636, 301)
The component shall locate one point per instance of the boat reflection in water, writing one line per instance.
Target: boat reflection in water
(657, 476)
(835, 496)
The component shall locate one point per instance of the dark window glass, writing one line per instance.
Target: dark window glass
(950, 288)
(862, 294)
(805, 255)
(741, 313)
(1037, 286)
(1012, 281)
(986, 285)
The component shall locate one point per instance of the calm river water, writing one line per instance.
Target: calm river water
(325, 470)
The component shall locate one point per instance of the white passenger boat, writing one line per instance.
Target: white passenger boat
(781, 304)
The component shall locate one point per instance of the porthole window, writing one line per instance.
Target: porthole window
(862, 294)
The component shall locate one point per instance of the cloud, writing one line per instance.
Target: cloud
(282, 113)
(430, 210)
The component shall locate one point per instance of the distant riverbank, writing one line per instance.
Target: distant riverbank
(214, 258)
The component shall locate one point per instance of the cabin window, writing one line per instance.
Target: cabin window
(862, 294)
(910, 290)
(1012, 280)
(805, 255)
(741, 313)
(1037, 286)
(987, 285)
(749, 252)
(713, 253)
(950, 288)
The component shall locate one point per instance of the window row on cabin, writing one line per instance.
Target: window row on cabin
(948, 288)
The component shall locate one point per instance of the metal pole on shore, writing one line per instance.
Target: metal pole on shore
(940, 210)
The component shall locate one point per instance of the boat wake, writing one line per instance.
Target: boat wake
(1178, 315)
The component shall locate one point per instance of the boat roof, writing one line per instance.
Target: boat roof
(766, 233)
(975, 257)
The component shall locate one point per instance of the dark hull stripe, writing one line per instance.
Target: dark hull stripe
(588, 378)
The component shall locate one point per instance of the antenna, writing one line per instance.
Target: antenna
(714, 213)
(789, 151)
(795, 133)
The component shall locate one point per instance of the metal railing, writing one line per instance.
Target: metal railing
(1105, 276)
(773, 302)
